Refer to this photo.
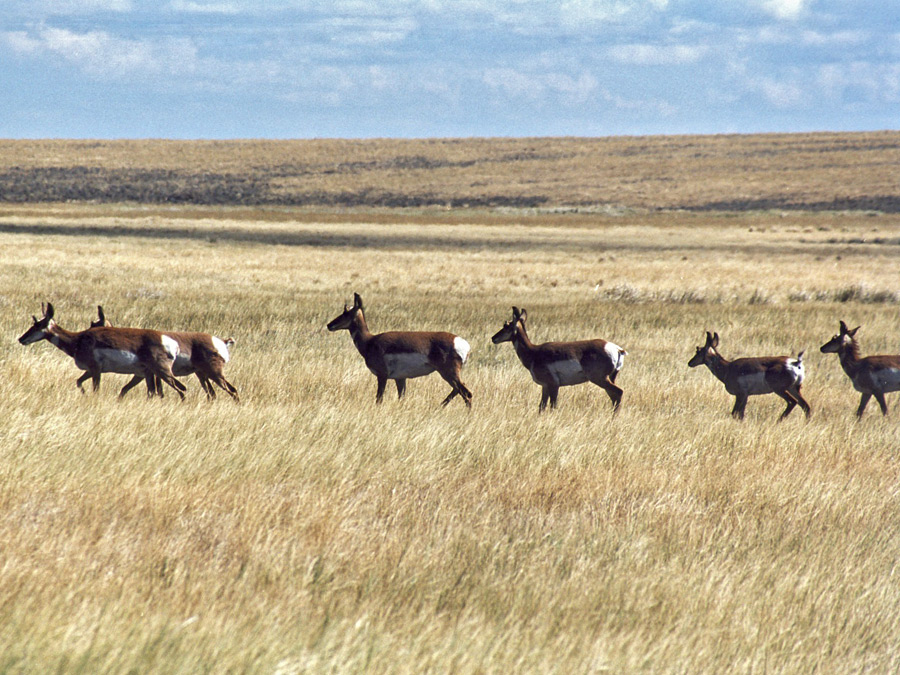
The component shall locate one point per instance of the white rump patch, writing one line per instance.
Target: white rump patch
(404, 366)
(117, 361)
(796, 369)
(616, 355)
(170, 344)
(221, 347)
(462, 348)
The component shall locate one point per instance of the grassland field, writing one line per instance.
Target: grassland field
(308, 530)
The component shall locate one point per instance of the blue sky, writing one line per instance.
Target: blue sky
(441, 68)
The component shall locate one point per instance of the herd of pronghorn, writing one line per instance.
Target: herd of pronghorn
(159, 357)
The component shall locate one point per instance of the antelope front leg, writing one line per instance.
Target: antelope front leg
(740, 403)
(545, 396)
(863, 402)
(382, 383)
(81, 380)
(554, 392)
(401, 387)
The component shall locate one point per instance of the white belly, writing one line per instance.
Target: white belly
(117, 361)
(564, 373)
(752, 385)
(404, 366)
(884, 380)
(182, 365)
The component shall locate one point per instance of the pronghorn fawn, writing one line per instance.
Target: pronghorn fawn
(402, 355)
(779, 375)
(130, 351)
(202, 354)
(870, 375)
(561, 364)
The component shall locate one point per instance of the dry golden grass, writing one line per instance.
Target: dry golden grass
(307, 530)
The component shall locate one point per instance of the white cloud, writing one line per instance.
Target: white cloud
(86, 6)
(652, 106)
(861, 80)
(370, 32)
(100, 54)
(780, 94)
(784, 9)
(205, 7)
(537, 86)
(790, 35)
(20, 42)
(656, 55)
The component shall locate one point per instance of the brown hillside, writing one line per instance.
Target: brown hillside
(824, 171)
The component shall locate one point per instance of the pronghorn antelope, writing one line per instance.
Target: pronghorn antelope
(780, 375)
(871, 375)
(131, 351)
(199, 353)
(560, 364)
(401, 355)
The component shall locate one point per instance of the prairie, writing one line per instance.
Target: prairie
(308, 530)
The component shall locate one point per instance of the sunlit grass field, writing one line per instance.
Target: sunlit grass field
(308, 530)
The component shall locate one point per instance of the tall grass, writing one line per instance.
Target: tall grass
(308, 530)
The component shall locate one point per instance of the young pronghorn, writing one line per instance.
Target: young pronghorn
(871, 375)
(401, 355)
(561, 364)
(131, 351)
(199, 353)
(780, 375)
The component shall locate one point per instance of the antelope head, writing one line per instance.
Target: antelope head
(508, 332)
(842, 339)
(345, 319)
(705, 353)
(40, 328)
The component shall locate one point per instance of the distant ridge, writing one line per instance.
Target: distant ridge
(819, 172)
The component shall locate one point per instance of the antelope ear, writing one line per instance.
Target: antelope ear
(852, 333)
(516, 313)
(709, 338)
(48, 313)
(100, 314)
(357, 301)
(523, 315)
(843, 327)
(715, 342)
